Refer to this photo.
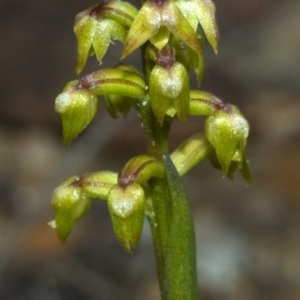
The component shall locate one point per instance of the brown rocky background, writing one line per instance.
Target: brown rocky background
(248, 237)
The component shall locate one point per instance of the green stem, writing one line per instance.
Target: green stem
(159, 216)
(159, 223)
(170, 219)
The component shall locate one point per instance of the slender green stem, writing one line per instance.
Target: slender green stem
(159, 222)
(159, 218)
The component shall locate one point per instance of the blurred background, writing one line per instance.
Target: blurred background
(248, 237)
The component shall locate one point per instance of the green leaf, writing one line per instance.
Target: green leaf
(180, 268)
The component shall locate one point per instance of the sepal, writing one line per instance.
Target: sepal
(70, 204)
(77, 107)
(189, 58)
(151, 17)
(204, 12)
(127, 208)
(227, 131)
(169, 91)
(116, 104)
(94, 36)
(96, 27)
(241, 166)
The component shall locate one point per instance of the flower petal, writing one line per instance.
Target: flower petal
(144, 26)
(178, 25)
(205, 10)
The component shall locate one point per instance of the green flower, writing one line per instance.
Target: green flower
(96, 27)
(227, 131)
(70, 204)
(127, 208)
(77, 104)
(77, 107)
(169, 89)
(155, 20)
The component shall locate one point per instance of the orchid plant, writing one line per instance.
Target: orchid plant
(171, 35)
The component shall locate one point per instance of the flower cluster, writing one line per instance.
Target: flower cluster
(171, 34)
